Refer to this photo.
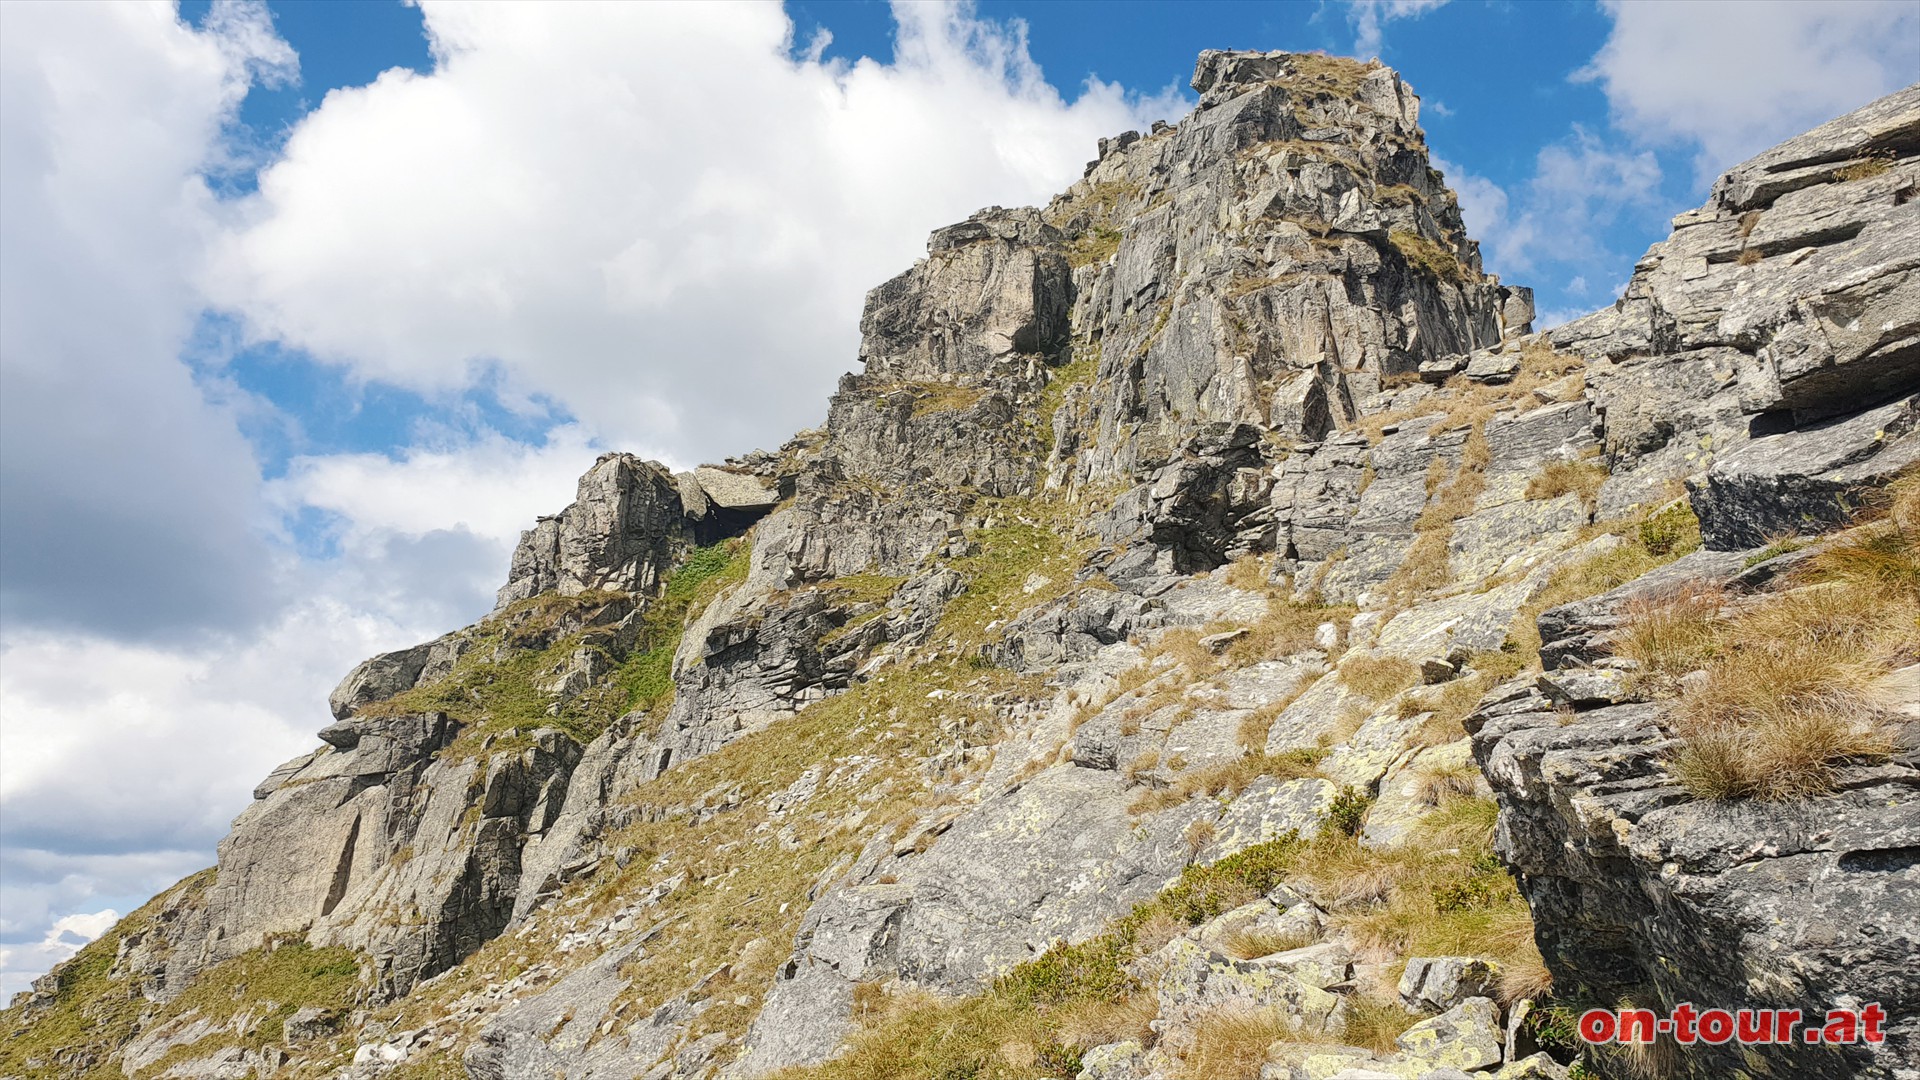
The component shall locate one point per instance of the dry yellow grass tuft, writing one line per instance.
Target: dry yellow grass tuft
(1440, 786)
(1449, 704)
(1098, 1022)
(1526, 977)
(1379, 677)
(1794, 683)
(1429, 255)
(1793, 690)
(932, 397)
(1227, 779)
(1865, 167)
(1287, 629)
(1674, 635)
(1232, 1044)
(1374, 1024)
(870, 1000)
(1463, 403)
(1252, 944)
(1319, 70)
(1884, 552)
(1257, 725)
(1142, 764)
(1198, 836)
(1248, 572)
(1157, 929)
(1182, 646)
(1427, 566)
(1558, 478)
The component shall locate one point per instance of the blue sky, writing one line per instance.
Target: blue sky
(307, 308)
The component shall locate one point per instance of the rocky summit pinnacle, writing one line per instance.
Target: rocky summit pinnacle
(1212, 635)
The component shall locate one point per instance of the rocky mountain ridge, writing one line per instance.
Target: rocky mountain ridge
(1206, 613)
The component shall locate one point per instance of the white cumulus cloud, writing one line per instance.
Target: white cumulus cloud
(1733, 80)
(1559, 215)
(492, 487)
(654, 214)
(18, 963)
(1709, 81)
(126, 498)
(1369, 19)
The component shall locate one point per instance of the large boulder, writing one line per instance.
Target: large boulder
(991, 288)
(1641, 893)
(1807, 480)
(381, 823)
(625, 529)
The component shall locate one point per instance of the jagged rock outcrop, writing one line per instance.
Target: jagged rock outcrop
(993, 288)
(1801, 357)
(1279, 253)
(380, 821)
(1791, 297)
(1642, 892)
(629, 525)
(1129, 601)
(1807, 479)
(624, 530)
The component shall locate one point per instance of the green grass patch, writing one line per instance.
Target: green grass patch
(1204, 892)
(704, 572)
(1093, 247)
(1428, 256)
(1786, 545)
(1669, 532)
(1069, 973)
(92, 1015)
(864, 588)
(273, 984)
(497, 691)
(1349, 811)
(647, 677)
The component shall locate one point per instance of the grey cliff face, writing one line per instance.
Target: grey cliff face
(621, 533)
(1781, 385)
(1164, 527)
(993, 288)
(1642, 893)
(1790, 299)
